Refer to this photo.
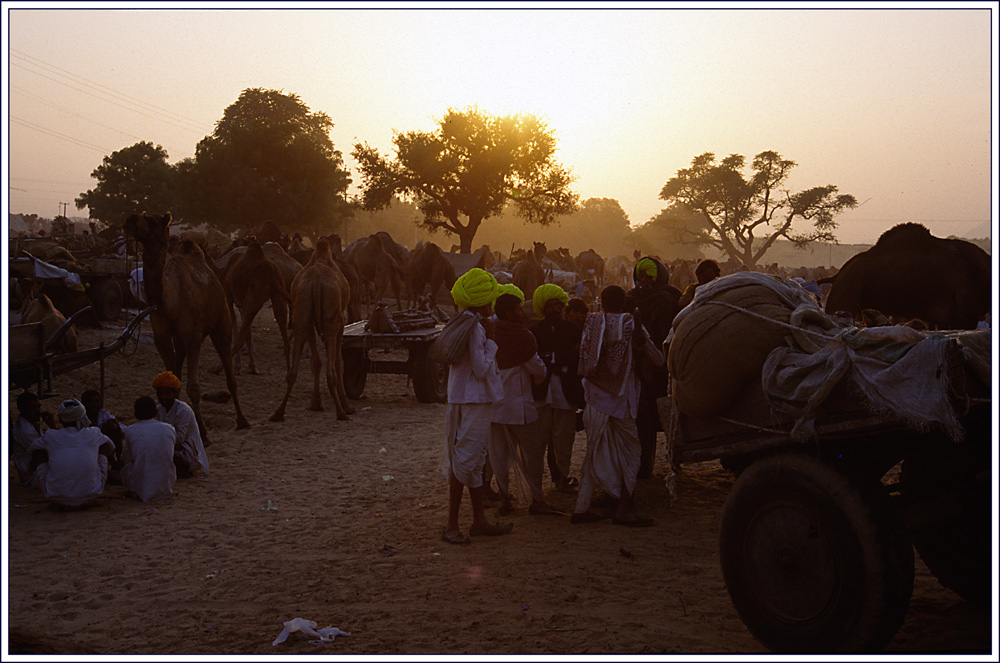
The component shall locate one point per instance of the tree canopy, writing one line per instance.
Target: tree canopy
(470, 167)
(135, 178)
(736, 209)
(269, 158)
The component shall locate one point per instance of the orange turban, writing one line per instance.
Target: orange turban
(166, 380)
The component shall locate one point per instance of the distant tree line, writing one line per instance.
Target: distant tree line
(476, 179)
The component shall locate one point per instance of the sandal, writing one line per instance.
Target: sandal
(454, 538)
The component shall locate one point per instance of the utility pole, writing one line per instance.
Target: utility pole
(64, 206)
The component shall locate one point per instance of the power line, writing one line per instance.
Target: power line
(61, 136)
(73, 113)
(103, 89)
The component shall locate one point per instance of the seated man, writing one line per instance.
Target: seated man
(26, 430)
(106, 421)
(148, 469)
(189, 456)
(72, 462)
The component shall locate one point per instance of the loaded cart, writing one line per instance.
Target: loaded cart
(416, 336)
(853, 447)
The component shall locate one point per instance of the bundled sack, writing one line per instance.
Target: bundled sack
(721, 340)
(453, 341)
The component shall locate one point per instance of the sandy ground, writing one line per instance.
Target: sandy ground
(351, 539)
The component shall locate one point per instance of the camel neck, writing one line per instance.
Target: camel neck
(152, 274)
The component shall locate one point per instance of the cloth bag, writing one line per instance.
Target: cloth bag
(453, 340)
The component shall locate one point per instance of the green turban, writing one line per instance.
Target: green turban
(476, 287)
(544, 293)
(646, 266)
(510, 289)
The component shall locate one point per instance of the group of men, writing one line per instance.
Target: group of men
(514, 393)
(72, 462)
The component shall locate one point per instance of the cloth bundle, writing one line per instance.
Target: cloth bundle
(453, 340)
(307, 628)
(605, 359)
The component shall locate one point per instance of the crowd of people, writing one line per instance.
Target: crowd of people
(71, 457)
(517, 395)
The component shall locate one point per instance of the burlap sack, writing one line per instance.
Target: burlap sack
(716, 350)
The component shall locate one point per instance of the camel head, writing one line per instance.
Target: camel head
(539, 250)
(322, 252)
(152, 230)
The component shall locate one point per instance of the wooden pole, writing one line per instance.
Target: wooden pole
(102, 370)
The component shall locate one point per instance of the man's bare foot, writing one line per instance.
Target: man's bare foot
(454, 536)
(489, 529)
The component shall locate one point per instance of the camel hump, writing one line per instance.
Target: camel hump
(904, 234)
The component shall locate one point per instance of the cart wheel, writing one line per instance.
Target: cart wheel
(106, 296)
(957, 551)
(813, 562)
(430, 378)
(355, 372)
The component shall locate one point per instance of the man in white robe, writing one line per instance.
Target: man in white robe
(148, 469)
(190, 456)
(473, 386)
(73, 467)
(611, 390)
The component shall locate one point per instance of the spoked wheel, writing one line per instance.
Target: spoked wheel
(813, 562)
(430, 378)
(355, 372)
(107, 298)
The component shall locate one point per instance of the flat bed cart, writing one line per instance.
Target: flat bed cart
(430, 378)
(817, 535)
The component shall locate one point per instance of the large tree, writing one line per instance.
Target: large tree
(469, 168)
(135, 178)
(744, 216)
(269, 158)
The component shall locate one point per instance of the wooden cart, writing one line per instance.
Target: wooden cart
(430, 378)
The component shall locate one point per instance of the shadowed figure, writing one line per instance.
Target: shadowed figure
(190, 305)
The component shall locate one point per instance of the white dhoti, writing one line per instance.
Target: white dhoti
(612, 460)
(518, 446)
(468, 441)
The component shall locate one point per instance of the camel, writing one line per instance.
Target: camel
(376, 266)
(619, 270)
(562, 257)
(488, 258)
(37, 307)
(250, 281)
(428, 266)
(190, 304)
(682, 274)
(393, 248)
(319, 299)
(529, 274)
(590, 265)
(909, 273)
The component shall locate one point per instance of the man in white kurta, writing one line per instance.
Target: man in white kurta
(148, 469)
(190, 456)
(611, 390)
(76, 458)
(515, 442)
(473, 386)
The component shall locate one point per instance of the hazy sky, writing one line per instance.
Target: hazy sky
(891, 105)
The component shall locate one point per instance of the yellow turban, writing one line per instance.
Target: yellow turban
(476, 287)
(166, 380)
(646, 266)
(544, 293)
(510, 289)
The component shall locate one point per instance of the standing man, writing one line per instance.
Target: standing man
(611, 388)
(560, 395)
(515, 440)
(655, 302)
(190, 456)
(706, 272)
(473, 386)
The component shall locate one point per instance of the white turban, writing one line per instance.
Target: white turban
(71, 411)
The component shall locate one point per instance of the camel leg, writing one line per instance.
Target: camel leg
(334, 369)
(193, 347)
(280, 310)
(316, 363)
(298, 340)
(251, 307)
(165, 348)
(222, 340)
